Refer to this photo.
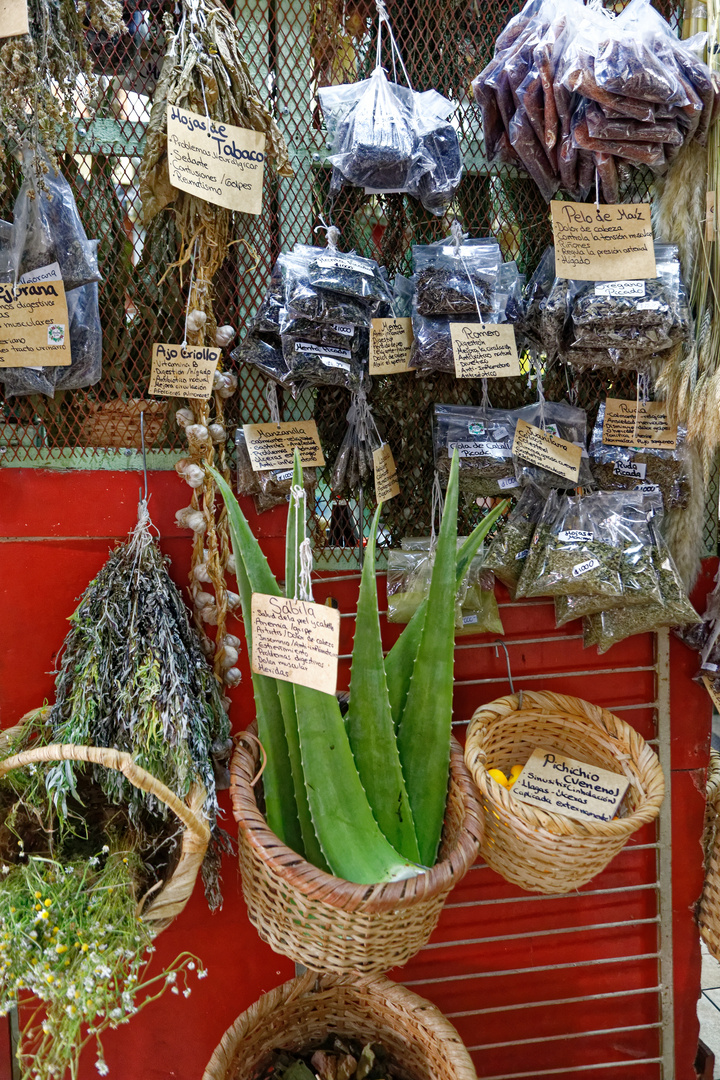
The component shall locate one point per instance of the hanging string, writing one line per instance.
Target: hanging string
(436, 512)
(306, 561)
(597, 189)
(383, 17)
(458, 236)
(485, 403)
(271, 397)
(187, 306)
(332, 233)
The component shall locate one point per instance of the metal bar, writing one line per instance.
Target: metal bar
(553, 1001)
(531, 970)
(555, 896)
(567, 1071)
(565, 1035)
(554, 675)
(542, 933)
(664, 857)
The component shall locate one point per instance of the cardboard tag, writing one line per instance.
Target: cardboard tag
(638, 423)
(603, 243)
(13, 19)
(183, 371)
(386, 481)
(34, 325)
(484, 350)
(540, 448)
(295, 641)
(710, 215)
(390, 344)
(573, 788)
(219, 163)
(271, 446)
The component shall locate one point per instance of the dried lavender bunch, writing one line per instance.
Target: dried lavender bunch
(133, 676)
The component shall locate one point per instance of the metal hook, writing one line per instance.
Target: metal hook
(507, 659)
(142, 444)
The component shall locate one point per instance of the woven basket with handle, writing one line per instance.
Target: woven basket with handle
(709, 906)
(421, 1043)
(166, 903)
(325, 922)
(536, 849)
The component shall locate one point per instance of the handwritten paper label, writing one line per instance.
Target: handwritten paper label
(13, 21)
(295, 641)
(635, 470)
(506, 482)
(484, 350)
(185, 371)
(583, 567)
(390, 344)
(217, 162)
(34, 325)
(540, 448)
(603, 243)
(386, 481)
(620, 288)
(565, 786)
(638, 423)
(710, 225)
(271, 446)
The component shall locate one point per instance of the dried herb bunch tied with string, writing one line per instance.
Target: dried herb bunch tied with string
(133, 676)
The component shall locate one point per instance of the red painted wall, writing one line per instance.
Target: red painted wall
(56, 529)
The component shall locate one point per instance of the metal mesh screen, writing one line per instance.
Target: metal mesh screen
(292, 46)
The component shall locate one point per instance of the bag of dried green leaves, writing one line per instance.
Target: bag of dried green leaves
(510, 547)
(483, 438)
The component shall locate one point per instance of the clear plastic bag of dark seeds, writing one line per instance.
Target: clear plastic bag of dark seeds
(483, 438)
(344, 273)
(47, 227)
(305, 300)
(319, 364)
(436, 176)
(266, 354)
(640, 468)
(456, 278)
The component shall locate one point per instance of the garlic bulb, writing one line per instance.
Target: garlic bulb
(208, 614)
(224, 335)
(233, 601)
(200, 572)
(217, 433)
(189, 518)
(196, 320)
(232, 641)
(232, 676)
(197, 433)
(206, 645)
(194, 476)
(227, 657)
(181, 465)
(230, 565)
(225, 384)
(183, 417)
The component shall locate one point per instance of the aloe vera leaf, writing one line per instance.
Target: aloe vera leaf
(369, 719)
(262, 580)
(425, 726)
(401, 657)
(280, 805)
(349, 835)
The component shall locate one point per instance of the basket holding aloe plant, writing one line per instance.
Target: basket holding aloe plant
(362, 797)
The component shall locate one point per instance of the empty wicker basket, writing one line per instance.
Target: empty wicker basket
(299, 1016)
(709, 906)
(166, 903)
(326, 923)
(542, 851)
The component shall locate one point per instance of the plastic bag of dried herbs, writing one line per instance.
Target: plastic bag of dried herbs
(47, 227)
(566, 422)
(269, 488)
(534, 296)
(318, 363)
(608, 627)
(408, 583)
(621, 467)
(509, 295)
(479, 610)
(483, 438)
(437, 179)
(510, 547)
(345, 273)
(432, 341)
(354, 463)
(304, 300)
(456, 278)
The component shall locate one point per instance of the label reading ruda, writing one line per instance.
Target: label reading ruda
(603, 243)
(638, 423)
(539, 448)
(484, 350)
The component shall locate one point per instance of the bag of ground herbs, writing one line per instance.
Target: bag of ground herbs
(606, 628)
(577, 548)
(408, 582)
(566, 422)
(456, 278)
(325, 363)
(620, 467)
(535, 294)
(479, 609)
(306, 301)
(483, 438)
(510, 547)
(47, 228)
(344, 273)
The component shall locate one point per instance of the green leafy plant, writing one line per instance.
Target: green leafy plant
(363, 796)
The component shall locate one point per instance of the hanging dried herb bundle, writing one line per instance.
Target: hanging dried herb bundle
(204, 71)
(43, 72)
(133, 677)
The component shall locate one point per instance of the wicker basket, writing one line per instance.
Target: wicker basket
(325, 922)
(709, 906)
(299, 1016)
(170, 900)
(117, 423)
(533, 848)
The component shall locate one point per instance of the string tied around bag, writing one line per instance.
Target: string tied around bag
(383, 17)
(271, 396)
(332, 234)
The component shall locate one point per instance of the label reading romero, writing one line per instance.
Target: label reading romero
(217, 162)
(295, 641)
(565, 786)
(540, 448)
(603, 243)
(185, 371)
(484, 350)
